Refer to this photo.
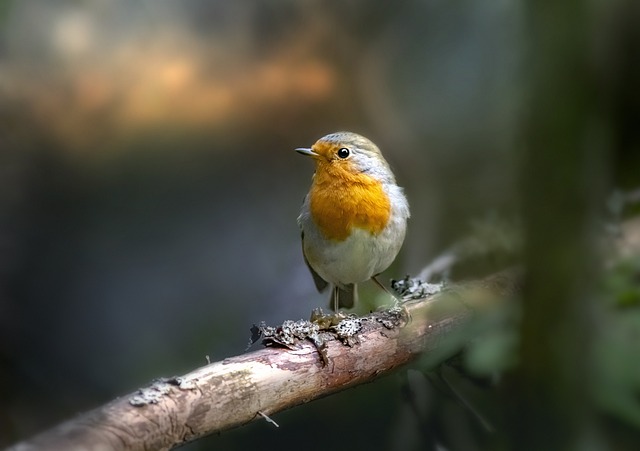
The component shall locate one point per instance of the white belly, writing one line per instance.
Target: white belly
(357, 258)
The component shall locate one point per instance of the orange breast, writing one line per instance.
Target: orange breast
(341, 199)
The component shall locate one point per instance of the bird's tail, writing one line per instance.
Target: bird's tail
(343, 297)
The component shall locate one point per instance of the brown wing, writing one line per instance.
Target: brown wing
(321, 284)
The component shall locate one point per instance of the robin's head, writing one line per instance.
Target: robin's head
(350, 152)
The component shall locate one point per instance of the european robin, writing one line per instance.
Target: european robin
(353, 219)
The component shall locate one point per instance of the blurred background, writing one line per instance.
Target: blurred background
(149, 189)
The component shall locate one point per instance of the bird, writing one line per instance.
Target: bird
(353, 220)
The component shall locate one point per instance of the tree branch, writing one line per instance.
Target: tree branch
(254, 385)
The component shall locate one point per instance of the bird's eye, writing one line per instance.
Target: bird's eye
(343, 152)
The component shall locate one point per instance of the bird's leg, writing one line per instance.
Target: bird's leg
(336, 302)
(397, 300)
(377, 282)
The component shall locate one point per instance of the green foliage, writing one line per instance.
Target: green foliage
(487, 348)
(622, 283)
(617, 362)
(617, 366)
(495, 348)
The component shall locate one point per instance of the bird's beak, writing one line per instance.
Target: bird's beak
(307, 151)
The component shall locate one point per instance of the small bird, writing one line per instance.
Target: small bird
(353, 219)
